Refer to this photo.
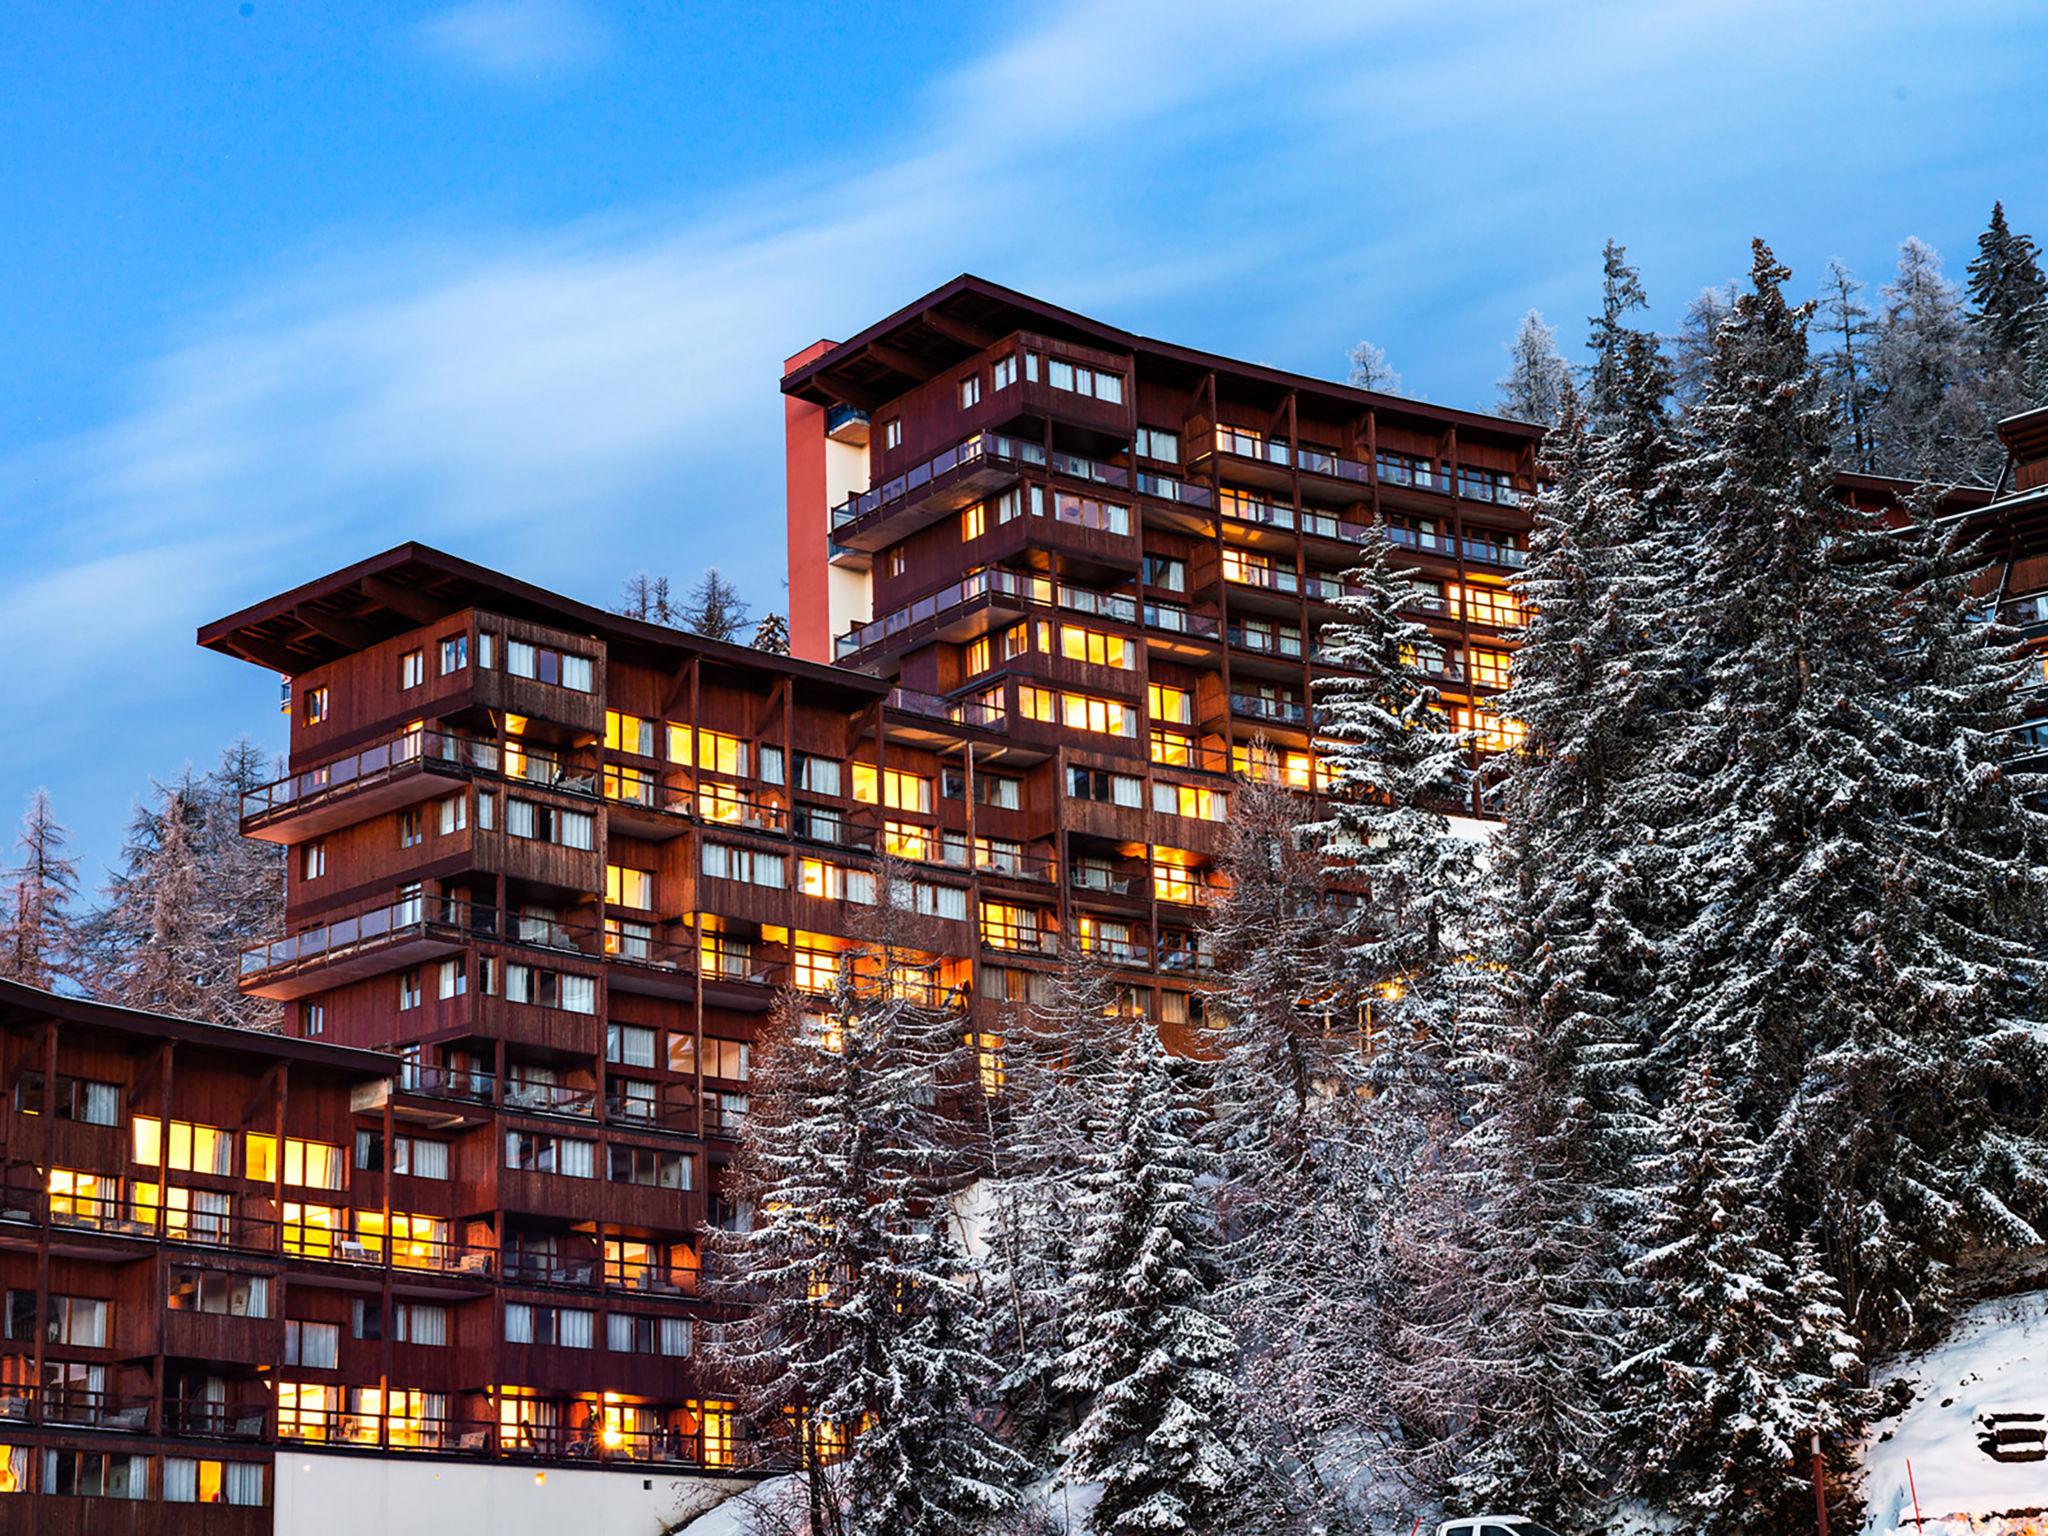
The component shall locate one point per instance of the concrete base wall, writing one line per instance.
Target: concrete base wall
(400, 1496)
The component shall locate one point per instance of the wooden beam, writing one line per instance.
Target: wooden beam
(416, 606)
(959, 330)
(901, 361)
(347, 631)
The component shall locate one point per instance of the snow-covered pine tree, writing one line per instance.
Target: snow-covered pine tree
(2009, 317)
(772, 635)
(857, 1316)
(1533, 387)
(1943, 1053)
(1146, 1338)
(1783, 617)
(1396, 766)
(1296, 1200)
(36, 924)
(1734, 1365)
(242, 887)
(147, 944)
(1864, 872)
(1537, 1279)
(1692, 346)
(1621, 295)
(1062, 1062)
(1925, 420)
(1844, 315)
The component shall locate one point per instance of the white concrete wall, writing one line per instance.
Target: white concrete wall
(850, 594)
(403, 1496)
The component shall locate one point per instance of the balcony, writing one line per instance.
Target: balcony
(931, 706)
(1177, 620)
(1266, 642)
(1257, 706)
(932, 615)
(387, 937)
(926, 492)
(401, 770)
(1167, 488)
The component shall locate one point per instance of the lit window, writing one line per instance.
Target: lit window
(1175, 882)
(1489, 669)
(628, 887)
(1096, 647)
(974, 521)
(189, 1148)
(977, 658)
(307, 1164)
(628, 733)
(1176, 706)
(716, 751)
(894, 788)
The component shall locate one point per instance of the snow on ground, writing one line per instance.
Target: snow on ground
(1065, 1506)
(1996, 1358)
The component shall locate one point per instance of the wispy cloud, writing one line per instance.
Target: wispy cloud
(516, 39)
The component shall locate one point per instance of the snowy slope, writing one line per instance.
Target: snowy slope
(1997, 1358)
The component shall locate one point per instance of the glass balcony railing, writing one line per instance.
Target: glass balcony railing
(1167, 488)
(991, 449)
(1258, 707)
(372, 765)
(1027, 587)
(1177, 620)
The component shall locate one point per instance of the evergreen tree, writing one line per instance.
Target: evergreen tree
(1296, 1191)
(1863, 874)
(1061, 1088)
(2008, 301)
(647, 597)
(148, 944)
(1621, 294)
(859, 1313)
(1371, 370)
(1843, 314)
(1739, 1357)
(1146, 1340)
(36, 925)
(772, 635)
(1692, 348)
(1533, 387)
(1924, 420)
(715, 610)
(1538, 1281)
(1396, 765)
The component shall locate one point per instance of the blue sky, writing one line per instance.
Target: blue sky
(288, 282)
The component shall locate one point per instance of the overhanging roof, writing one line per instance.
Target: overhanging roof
(21, 1004)
(969, 314)
(413, 584)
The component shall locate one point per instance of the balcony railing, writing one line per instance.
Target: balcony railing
(1270, 578)
(1482, 488)
(1266, 642)
(1076, 467)
(976, 712)
(1089, 877)
(1259, 707)
(1167, 488)
(1175, 619)
(374, 928)
(550, 1098)
(1256, 509)
(984, 448)
(1022, 586)
(374, 764)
